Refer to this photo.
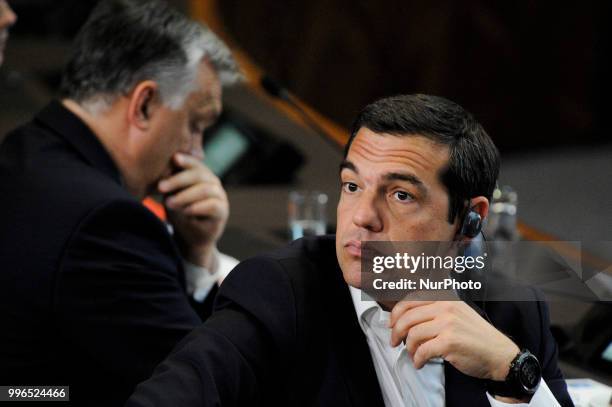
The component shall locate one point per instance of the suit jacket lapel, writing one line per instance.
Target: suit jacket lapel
(351, 348)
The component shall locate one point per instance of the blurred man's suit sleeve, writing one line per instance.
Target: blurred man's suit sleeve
(118, 296)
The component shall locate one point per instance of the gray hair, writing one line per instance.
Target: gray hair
(125, 42)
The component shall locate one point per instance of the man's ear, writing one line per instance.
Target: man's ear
(143, 101)
(480, 204)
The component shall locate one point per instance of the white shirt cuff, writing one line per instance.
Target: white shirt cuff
(201, 280)
(543, 397)
(225, 264)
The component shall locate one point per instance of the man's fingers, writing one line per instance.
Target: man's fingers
(186, 178)
(401, 307)
(197, 192)
(410, 318)
(421, 333)
(186, 160)
(428, 350)
(211, 208)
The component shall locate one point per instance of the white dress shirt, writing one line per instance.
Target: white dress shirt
(201, 280)
(401, 384)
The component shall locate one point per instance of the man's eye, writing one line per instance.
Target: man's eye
(350, 186)
(403, 196)
(197, 128)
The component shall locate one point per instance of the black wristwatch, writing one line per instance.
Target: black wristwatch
(523, 377)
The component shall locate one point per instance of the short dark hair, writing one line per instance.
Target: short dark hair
(125, 42)
(473, 164)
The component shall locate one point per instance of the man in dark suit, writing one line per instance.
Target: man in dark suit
(92, 285)
(291, 328)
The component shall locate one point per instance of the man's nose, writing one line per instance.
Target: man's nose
(7, 15)
(367, 213)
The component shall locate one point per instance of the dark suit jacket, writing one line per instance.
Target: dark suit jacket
(91, 283)
(285, 333)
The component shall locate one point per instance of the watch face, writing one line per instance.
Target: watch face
(530, 372)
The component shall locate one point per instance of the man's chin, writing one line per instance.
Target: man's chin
(351, 267)
(352, 277)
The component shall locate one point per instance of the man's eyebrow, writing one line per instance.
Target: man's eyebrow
(209, 116)
(403, 176)
(347, 165)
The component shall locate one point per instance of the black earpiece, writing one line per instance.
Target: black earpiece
(472, 224)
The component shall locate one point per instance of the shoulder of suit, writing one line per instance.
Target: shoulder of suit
(34, 159)
(314, 251)
(49, 180)
(303, 263)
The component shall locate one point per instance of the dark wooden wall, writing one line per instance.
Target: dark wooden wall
(534, 72)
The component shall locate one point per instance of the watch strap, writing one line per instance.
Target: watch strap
(514, 385)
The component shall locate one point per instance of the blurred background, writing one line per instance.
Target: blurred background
(535, 73)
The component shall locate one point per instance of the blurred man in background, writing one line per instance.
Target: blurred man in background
(7, 19)
(93, 288)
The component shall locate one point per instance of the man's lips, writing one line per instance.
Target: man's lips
(357, 249)
(353, 247)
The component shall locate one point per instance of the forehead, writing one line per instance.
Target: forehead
(375, 154)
